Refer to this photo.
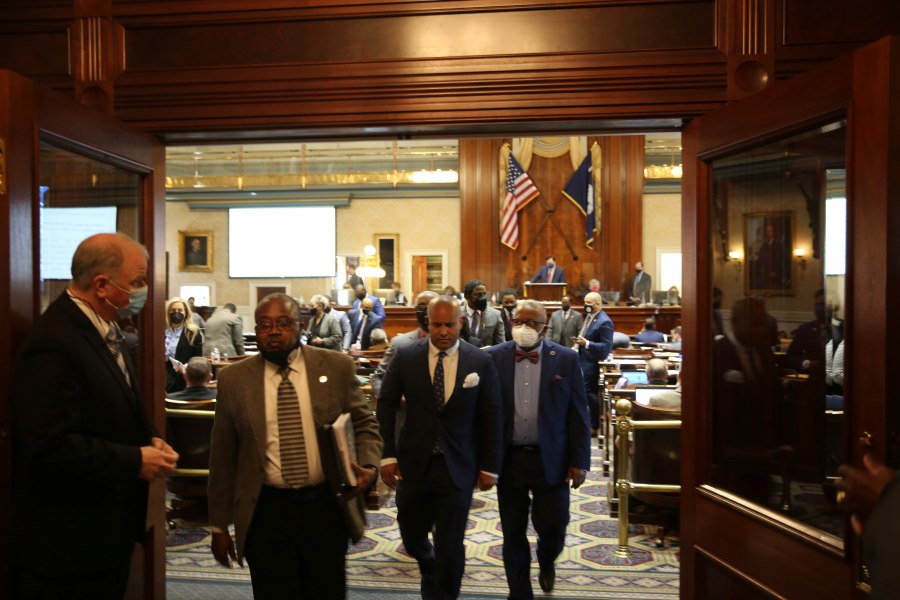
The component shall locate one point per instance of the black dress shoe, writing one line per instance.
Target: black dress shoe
(427, 587)
(547, 578)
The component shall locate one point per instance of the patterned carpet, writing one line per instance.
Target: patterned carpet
(377, 567)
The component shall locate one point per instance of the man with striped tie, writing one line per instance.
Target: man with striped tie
(265, 471)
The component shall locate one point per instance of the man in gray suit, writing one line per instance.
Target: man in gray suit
(565, 324)
(485, 324)
(344, 321)
(225, 331)
(265, 471)
(639, 290)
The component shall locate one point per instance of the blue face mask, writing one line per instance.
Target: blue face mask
(137, 297)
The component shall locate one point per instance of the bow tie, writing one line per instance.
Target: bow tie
(521, 355)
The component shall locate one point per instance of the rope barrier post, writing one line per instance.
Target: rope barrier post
(623, 485)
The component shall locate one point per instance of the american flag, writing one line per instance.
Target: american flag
(520, 190)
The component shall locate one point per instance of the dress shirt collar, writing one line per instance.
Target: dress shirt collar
(101, 324)
(433, 350)
(539, 348)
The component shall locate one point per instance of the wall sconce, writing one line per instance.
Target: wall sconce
(736, 258)
(369, 267)
(800, 257)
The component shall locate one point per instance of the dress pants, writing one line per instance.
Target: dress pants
(297, 545)
(591, 374)
(435, 505)
(523, 472)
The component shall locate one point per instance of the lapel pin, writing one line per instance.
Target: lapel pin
(553, 353)
(323, 378)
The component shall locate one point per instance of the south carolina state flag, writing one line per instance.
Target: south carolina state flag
(580, 190)
(520, 190)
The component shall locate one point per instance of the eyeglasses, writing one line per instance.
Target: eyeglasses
(283, 324)
(533, 324)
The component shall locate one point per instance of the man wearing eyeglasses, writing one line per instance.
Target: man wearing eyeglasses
(265, 471)
(547, 441)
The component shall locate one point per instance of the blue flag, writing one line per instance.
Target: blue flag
(580, 190)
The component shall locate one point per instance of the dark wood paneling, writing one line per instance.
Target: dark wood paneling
(820, 22)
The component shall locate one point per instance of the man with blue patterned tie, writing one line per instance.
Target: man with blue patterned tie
(449, 444)
(548, 446)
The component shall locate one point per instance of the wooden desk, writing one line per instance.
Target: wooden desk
(545, 292)
(627, 319)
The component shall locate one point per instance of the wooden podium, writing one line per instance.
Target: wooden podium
(545, 292)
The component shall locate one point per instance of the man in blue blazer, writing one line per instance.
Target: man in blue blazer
(549, 273)
(363, 320)
(594, 343)
(449, 444)
(547, 439)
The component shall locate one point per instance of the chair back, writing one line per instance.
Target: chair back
(189, 432)
(657, 454)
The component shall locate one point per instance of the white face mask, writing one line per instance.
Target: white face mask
(524, 336)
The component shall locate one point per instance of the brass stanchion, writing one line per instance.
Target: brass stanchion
(624, 486)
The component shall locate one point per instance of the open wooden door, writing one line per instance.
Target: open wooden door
(66, 169)
(787, 202)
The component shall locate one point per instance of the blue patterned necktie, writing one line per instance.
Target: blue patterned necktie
(438, 381)
(294, 463)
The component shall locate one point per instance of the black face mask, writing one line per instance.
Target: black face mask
(588, 309)
(365, 311)
(327, 309)
(510, 308)
(360, 297)
(480, 303)
(278, 357)
(566, 306)
(422, 317)
(176, 318)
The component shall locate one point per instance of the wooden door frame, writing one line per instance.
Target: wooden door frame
(32, 112)
(759, 550)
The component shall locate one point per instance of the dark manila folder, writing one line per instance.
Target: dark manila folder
(337, 447)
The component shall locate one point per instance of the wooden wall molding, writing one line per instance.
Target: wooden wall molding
(436, 66)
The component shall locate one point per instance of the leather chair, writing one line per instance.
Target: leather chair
(656, 459)
(189, 432)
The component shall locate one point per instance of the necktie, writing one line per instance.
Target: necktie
(362, 329)
(294, 464)
(587, 323)
(438, 381)
(115, 341)
(476, 323)
(522, 355)
(549, 275)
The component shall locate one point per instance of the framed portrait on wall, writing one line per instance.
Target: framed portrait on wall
(768, 251)
(196, 251)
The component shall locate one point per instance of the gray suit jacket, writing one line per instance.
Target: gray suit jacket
(238, 454)
(562, 330)
(346, 330)
(330, 332)
(403, 339)
(492, 330)
(225, 331)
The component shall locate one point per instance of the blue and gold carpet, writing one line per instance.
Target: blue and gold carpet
(378, 567)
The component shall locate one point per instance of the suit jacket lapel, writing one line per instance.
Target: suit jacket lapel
(253, 391)
(549, 369)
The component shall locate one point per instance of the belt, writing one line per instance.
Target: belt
(301, 494)
(526, 448)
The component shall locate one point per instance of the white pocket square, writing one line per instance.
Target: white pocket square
(471, 380)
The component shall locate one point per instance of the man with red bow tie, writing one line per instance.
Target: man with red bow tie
(547, 441)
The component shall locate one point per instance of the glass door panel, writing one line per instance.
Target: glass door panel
(778, 238)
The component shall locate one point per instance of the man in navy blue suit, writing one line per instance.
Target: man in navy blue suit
(547, 440)
(594, 343)
(549, 273)
(362, 294)
(450, 443)
(363, 320)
